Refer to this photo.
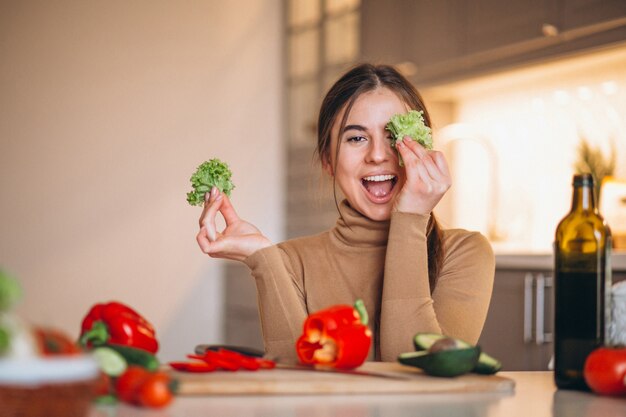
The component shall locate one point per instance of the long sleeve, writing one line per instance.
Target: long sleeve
(281, 302)
(459, 304)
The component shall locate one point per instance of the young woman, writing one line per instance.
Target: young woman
(386, 247)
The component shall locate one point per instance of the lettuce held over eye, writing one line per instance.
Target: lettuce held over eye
(410, 124)
(212, 173)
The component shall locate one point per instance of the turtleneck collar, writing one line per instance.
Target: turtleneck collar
(355, 230)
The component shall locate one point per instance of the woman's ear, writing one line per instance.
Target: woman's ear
(327, 166)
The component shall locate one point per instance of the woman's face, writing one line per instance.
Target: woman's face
(366, 168)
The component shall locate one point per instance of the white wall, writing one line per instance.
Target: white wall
(106, 109)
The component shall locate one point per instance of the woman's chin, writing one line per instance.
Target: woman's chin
(377, 210)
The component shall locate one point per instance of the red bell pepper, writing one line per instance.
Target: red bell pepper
(337, 336)
(117, 323)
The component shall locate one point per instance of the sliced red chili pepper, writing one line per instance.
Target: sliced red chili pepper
(193, 366)
(266, 363)
(247, 362)
(227, 364)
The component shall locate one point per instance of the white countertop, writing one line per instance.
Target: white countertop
(535, 396)
(544, 261)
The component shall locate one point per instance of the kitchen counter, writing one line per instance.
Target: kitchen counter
(535, 396)
(544, 261)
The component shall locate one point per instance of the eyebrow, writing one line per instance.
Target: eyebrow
(354, 127)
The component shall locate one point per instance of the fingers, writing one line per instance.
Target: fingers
(236, 248)
(211, 207)
(228, 211)
(441, 163)
(203, 240)
(226, 247)
(434, 163)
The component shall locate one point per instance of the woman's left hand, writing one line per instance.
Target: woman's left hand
(427, 178)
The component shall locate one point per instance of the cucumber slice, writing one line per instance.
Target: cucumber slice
(134, 356)
(110, 362)
(446, 363)
(487, 365)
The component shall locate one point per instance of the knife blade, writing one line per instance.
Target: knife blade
(248, 351)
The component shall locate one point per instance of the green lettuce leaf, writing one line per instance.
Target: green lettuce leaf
(212, 173)
(410, 124)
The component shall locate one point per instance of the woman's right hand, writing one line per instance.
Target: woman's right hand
(237, 241)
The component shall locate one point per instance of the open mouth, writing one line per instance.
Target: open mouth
(379, 187)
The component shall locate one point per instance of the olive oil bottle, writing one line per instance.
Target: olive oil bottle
(582, 252)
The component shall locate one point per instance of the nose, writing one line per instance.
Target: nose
(378, 150)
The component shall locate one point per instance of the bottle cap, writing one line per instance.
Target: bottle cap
(583, 179)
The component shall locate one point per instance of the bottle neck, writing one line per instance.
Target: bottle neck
(583, 199)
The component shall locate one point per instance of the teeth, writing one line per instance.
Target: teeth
(379, 178)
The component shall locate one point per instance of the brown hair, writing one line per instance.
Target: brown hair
(361, 79)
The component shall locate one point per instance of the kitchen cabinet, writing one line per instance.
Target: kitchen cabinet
(518, 329)
(452, 39)
(519, 326)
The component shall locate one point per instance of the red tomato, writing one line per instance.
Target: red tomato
(55, 342)
(103, 386)
(129, 382)
(605, 370)
(155, 391)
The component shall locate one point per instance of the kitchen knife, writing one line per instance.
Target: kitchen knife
(248, 351)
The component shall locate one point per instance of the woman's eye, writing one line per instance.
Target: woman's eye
(356, 139)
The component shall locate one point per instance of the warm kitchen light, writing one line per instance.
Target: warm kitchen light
(609, 88)
(585, 93)
(561, 97)
(537, 104)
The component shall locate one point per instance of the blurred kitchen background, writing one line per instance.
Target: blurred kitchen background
(106, 109)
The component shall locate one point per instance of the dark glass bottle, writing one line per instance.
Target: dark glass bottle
(582, 252)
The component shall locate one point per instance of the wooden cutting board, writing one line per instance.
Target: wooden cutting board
(405, 379)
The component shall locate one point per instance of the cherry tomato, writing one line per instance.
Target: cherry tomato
(54, 342)
(155, 391)
(103, 386)
(129, 382)
(605, 370)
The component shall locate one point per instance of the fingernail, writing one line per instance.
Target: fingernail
(213, 191)
(406, 139)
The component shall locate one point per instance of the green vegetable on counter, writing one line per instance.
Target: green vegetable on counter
(444, 363)
(209, 174)
(10, 291)
(486, 364)
(5, 340)
(135, 356)
(110, 361)
(410, 124)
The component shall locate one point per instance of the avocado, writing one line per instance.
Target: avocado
(487, 365)
(444, 363)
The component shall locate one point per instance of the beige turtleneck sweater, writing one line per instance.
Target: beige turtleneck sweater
(386, 265)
